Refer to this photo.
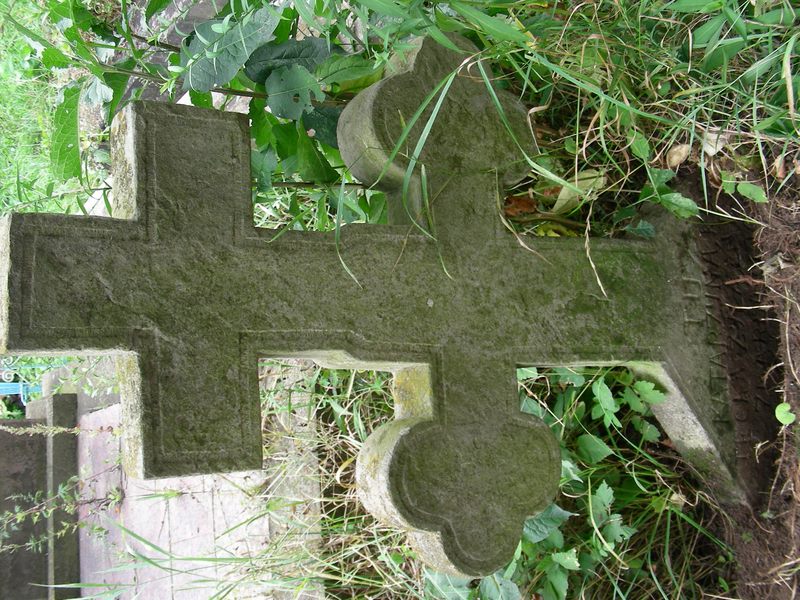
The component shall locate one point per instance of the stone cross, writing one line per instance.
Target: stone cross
(187, 283)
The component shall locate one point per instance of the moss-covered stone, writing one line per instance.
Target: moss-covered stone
(187, 283)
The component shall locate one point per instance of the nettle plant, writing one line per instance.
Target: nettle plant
(627, 522)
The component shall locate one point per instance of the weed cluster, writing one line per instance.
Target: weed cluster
(630, 520)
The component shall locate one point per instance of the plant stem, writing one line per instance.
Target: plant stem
(156, 43)
(311, 184)
(534, 217)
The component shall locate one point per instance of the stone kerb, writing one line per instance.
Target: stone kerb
(186, 284)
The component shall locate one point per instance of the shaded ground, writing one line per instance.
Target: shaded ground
(758, 290)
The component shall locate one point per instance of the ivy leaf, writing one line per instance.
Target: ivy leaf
(497, 587)
(591, 449)
(784, 414)
(308, 52)
(213, 58)
(65, 156)
(290, 91)
(542, 525)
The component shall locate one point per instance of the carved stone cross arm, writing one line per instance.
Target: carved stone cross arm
(185, 282)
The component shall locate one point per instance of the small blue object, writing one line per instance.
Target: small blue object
(21, 389)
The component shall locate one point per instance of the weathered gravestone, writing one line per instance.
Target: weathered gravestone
(186, 282)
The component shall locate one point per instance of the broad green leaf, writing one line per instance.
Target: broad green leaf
(763, 66)
(289, 92)
(615, 532)
(569, 471)
(568, 559)
(65, 156)
(632, 399)
(493, 26)
(679, 205)
(659, 177)
(722, 53)
(527, 373)
(262, 165)
(556, 583)
(780, 16)
(33, 38)
(443, 586)
(695, 6)
(590, 183)
(118, 82)
(344, 67)
(728, 181)
(261, 122)
(648, 431)
(752, 191)
(591, 449)
(386, 7)
(97, 92)
(600, 502)
(201, 99)
(323, 120)
(784, 414)
(603, 394)
(213, 59)
(647, 391)
(308, 52)
(154, 7)
(311, 165)
(542, 525)
(569, 377)
(497, 587)
(640, 147)
(642, 229)
(736, 21)
(53, 58)
(710, 30)
(530, 406)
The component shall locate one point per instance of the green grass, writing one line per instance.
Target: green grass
(27, 97)
(639, 523)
